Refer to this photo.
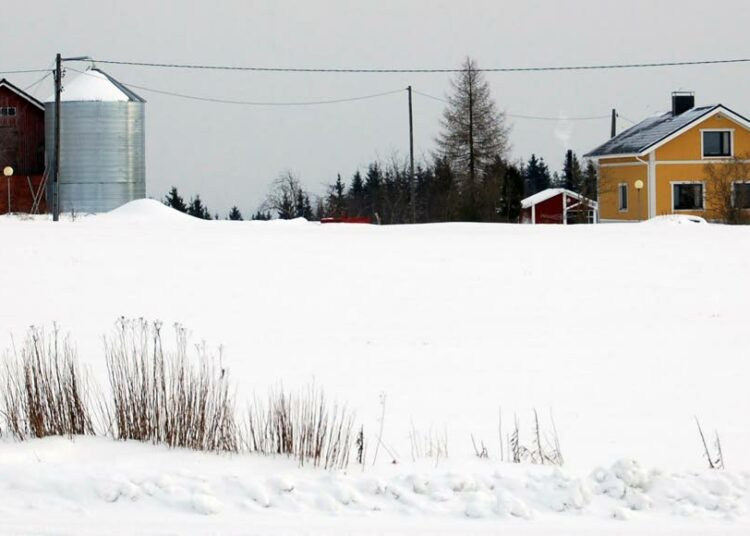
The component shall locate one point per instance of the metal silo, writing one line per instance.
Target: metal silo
(102, 144)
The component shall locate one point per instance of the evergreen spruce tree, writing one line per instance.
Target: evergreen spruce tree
(261, 216)
(197, 209)
(536, 175)
(356, 195)
(235, 214)
(337, 198)
(571, 176)
(589, 181)
(174, 200)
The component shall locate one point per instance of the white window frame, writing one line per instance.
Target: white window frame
(731, 143)
(672, 184)
(734, 195)
(620, 197)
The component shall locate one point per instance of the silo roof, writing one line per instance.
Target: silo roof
(95, 85)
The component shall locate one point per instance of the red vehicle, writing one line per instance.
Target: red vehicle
(347, 219)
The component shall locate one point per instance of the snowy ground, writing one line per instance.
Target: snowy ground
(624, 332)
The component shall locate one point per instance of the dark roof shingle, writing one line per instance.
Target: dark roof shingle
(650, 131)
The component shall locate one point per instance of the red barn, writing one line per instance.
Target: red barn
(558, 205)
(21, 148)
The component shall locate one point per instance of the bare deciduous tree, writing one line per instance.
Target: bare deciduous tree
(727, 197)
(287, 198)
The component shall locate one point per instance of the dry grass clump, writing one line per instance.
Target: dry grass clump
(303, 426)
(43, 390)
(167, 398)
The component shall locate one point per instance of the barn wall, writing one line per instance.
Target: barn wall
(21, 136)
(21, 196)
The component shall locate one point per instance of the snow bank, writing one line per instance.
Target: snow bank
(675, 219)
(133, 481)
(608, 326)
(146, 211)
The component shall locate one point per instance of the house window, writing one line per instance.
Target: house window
(7, 111)
(622, 197)
(687, 196)
(717, 143)
(741, 195)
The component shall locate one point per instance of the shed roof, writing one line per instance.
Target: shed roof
(654, 130)
(549, 193)
(21, 93)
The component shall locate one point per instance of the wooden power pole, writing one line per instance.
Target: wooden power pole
(614, 123)
(412, 185)
(55, 182)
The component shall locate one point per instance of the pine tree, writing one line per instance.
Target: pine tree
(235, 214)
(536, 175)
(571, 176)
(356, 195)
(174, 200)
(261, 216)
(589, 181)
(197, 209)
(474, 132)
(337, 198)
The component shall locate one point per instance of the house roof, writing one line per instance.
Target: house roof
(549, 193)
(21, 93)
(656, 130)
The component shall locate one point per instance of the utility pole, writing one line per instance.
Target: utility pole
(55, 182)
(58, 91)
(412, 184)
(614, 123)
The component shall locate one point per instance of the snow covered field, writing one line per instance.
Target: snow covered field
(623, 332)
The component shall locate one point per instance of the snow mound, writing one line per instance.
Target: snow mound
(676, 219)
(131, 480)
(148, 211)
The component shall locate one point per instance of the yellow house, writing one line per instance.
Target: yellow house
(659, 166)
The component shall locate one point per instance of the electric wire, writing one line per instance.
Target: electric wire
(522, 116)
(42, 79)
(25, 71)
(252, 103)
(599, 67)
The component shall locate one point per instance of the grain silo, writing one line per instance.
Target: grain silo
(102, 144)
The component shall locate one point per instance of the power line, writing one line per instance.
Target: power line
(25, 71)
(522, 116)
(42, 79)
(253, 103)
(424, 71)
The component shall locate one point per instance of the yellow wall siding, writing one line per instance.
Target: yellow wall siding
(688, 145)
(666, 175)
(609, 179)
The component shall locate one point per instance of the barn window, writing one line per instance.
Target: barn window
(717, 143)
(687, 196)
(7, 111)
(622, 197)
(741, 195)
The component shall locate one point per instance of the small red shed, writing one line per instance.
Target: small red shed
(21, 148)
(558, 205)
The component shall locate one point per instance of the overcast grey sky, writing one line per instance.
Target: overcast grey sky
(229, 154)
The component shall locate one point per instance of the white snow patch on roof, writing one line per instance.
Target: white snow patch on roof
(538, 197)
(91, 86)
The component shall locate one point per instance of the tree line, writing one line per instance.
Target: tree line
(470, 177)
